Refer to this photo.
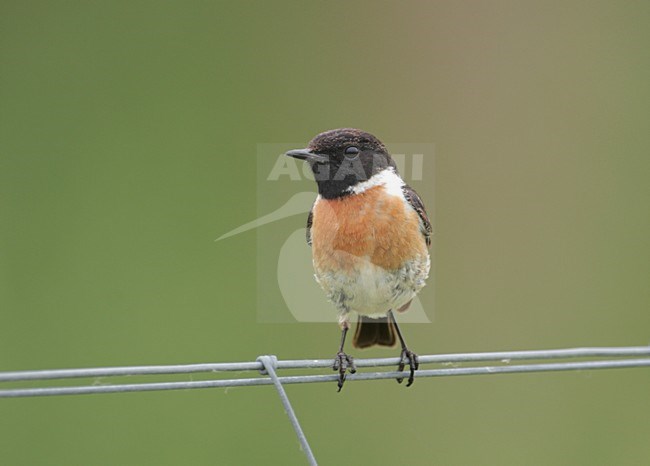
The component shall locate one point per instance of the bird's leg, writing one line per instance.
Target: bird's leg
(407, 355)
(343, 362)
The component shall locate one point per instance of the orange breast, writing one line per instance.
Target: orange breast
(371, 225)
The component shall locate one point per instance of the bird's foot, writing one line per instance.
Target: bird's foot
(343, 363)
(410, 358)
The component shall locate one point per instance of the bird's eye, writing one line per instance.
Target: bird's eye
(351, 151)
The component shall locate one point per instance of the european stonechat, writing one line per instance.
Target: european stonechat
(369, 234)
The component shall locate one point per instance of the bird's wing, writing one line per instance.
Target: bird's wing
(414, 200)
(310, 220)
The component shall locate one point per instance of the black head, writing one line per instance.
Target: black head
(342, 158)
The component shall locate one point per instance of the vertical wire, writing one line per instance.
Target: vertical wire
(269, 362)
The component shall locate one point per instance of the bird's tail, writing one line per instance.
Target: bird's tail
(371, 332)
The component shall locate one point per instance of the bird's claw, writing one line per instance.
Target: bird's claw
(343, 363)
(410, 358)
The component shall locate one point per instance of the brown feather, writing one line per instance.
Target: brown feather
(371, 332)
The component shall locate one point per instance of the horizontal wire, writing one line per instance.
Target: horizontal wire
(321, 363)
(455, 371)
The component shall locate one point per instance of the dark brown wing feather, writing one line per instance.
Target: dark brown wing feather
(310, 220)
(414, 200)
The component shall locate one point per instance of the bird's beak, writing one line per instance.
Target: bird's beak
(308, 155)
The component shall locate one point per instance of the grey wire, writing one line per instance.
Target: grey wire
(445, 372)
(269, 362)
(321, 363)
(267, 366)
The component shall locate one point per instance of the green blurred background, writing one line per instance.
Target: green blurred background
(128, 133)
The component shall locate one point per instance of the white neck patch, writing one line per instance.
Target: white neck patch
(386, 178)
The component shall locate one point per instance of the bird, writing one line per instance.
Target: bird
(369, 234)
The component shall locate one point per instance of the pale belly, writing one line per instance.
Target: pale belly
(369, 289)
(368, 252)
